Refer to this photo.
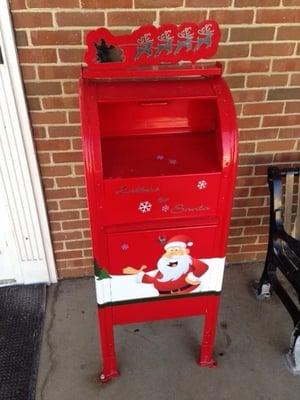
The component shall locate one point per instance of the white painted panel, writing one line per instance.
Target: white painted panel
(22, 190)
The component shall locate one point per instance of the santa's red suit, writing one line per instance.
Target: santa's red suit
(178, 286)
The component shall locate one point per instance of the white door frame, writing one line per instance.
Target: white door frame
(23, 147)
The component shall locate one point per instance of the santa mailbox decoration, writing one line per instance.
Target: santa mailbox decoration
(160, 151)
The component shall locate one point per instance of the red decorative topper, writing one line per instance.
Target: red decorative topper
(149, 45)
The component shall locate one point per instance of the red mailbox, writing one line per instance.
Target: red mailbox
(160, 150)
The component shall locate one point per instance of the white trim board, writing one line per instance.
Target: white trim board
(20, 168)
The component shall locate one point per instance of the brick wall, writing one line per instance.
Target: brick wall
(260, 51)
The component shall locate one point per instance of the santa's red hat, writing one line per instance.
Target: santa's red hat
(179, 241)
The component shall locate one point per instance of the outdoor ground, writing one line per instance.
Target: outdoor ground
(158, 360)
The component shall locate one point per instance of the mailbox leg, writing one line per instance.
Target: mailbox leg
(109, 362)
(209, 331)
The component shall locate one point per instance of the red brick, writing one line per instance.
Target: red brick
(78, 244)
(267, 80)
(207, 3)
(61, 255)
(34, 103)
(238, 212)
(263, 108)
(73, 204)
(287, 158)
(241, 96)
(249, 122)
(71, 87)
(37, 56)
(18, 5)
(251, 34)
(256, 230)
(289, 133)
(283, 94)
(251, 202)
(42, 88)
(235, 81)
(58, 236)
(21, 38)
(232, 16)
(239, 66)
(53, 145)
(245, 222)
(60, 193)
(288, 64)
(44, 158)
(56, 171)
(235, 231)
(257, 211)
(255, 159)
(258, 134)
(245, 171)
(59, 72)
(63, 131)
(64, 215)
(39, 132)
(275, 146)
(71, 55)
(74, 156)
(291, 3)
(293, 107)
(60, 102)
(103, 4)
(263, 190)
(177, 17)
(242, 240)
(74, 117)
(28, 72)
(53, 3)
(70, 182)
(159, 3)
(92, 18)
(270, 16)
(232, 51)
(130, 18)
(48, 182)
(281, 120)
(77, 144)
(256, 3)
(32, 19)
(246, 148)
(79, 224)
(48, 117)
(54, 38)
(288, 33)
(272, 49)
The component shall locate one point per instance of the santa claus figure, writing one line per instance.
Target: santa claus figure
(177, 272)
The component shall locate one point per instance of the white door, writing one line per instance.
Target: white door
(26, 254)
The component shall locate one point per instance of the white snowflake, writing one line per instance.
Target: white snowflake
(201, 184)
(145, 206)
(165, 208)
(160, 157)
(124, 246)
(173, 162)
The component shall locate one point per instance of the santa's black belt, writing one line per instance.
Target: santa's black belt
(175, 290)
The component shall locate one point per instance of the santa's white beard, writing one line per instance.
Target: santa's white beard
(173, 273)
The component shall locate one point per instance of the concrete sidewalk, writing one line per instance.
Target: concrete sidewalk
(158, 360)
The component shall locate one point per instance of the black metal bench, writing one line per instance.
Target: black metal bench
(284, 250)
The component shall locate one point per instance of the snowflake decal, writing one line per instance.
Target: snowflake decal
(145, 206)
(160, 157)
(124, 246)
(165, 208)
(201, 184)
(173, 162)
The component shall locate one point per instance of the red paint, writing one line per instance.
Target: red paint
(160, 150)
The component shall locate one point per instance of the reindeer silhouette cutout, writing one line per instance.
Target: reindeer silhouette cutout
(144, 46)
(166, 43)
(205, 37)
(186, 43)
